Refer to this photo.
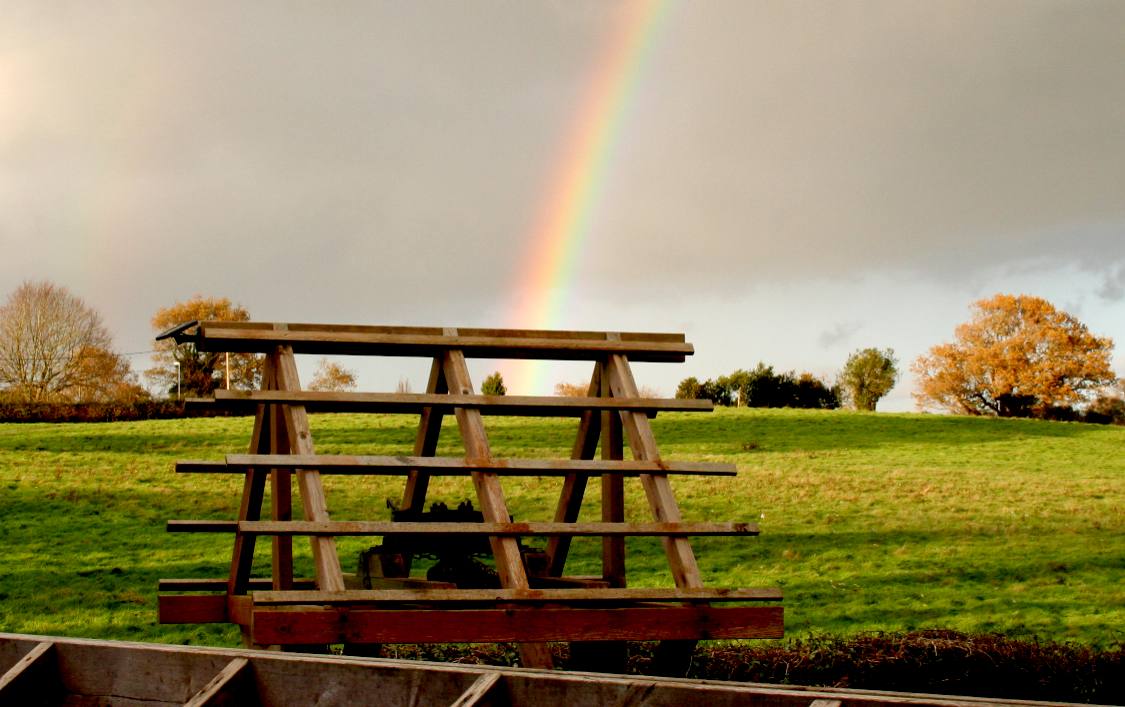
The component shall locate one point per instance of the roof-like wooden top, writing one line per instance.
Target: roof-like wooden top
(260, 337)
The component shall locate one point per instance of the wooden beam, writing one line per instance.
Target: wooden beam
(499, 530)
(425, 443)
(416, 403)
(574, 485)
(33, 679)
(368, 343)
(478, 693)
(281, 491)
(325, 559)
(192, 608)
(494, 332)
(505, 550)
(253, 486)
(289, 625)
(658, 491)
(219, 585)
(451, 466)
(514, 596)
(613, 493)
(230, 686)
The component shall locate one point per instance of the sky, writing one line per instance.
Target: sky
(784, 182)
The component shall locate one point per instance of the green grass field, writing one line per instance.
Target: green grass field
(869, 522)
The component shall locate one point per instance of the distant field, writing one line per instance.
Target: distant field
(869, 522)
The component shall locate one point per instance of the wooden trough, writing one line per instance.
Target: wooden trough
(45, 670)
(534, 601)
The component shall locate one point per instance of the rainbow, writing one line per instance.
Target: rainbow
(566, 216)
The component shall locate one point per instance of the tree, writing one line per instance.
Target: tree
(200, 372)
(1017, 357)
(571, 390)
(689, 389)
(332, 376)
(104, 377)
(868, 375)
(54, 348)
(494, 385)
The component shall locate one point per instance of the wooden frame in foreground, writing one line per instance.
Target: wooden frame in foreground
(535, 604)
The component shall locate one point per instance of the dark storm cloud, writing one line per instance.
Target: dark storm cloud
(385, 161)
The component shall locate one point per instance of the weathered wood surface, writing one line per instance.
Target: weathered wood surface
(287, 625)
(33, 678)
(515, 596)
(474, 343)
(376, 528)
(450, 466)
(231, 686)
(119, 673)
(417, 403)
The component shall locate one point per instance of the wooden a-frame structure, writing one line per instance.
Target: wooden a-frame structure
(533, 606)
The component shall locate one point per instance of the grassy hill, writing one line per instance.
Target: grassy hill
(869, 522)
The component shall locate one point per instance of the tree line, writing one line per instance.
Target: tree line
(1017, 356)
(868, 375)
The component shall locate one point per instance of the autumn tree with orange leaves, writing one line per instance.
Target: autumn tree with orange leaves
(1017, 357)
(200, 372)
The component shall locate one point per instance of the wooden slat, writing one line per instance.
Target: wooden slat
(825, 703)
(219, 585)
(491, 332)
(375, 527)
(33, 679)
(504, 530)
(411, 344)
(515, 596)
(228, 687)
(450, 466)
(478, 692)
(290, 625)
(416, 403)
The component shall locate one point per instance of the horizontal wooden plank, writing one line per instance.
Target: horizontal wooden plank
(513, 596)
(430, 342)
(415, 403)
(363, 528)
(201, 526)
(562, 334)
(288, 625)
(450, 466)
(192, 608)
(220, 585)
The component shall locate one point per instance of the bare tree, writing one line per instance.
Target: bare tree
(54, 347)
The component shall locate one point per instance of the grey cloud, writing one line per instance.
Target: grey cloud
(840, 333)
(388, 160)
(1112, 288)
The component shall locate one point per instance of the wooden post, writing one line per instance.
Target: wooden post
(327, 563)
(509, 564)
(574, 485)
(281, 487)
(425, 442)
(672, 657)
